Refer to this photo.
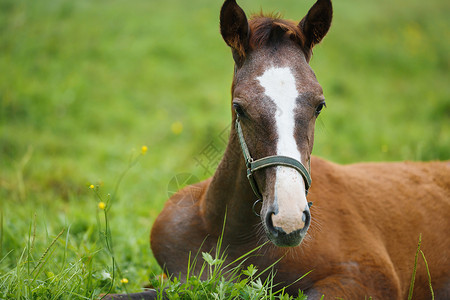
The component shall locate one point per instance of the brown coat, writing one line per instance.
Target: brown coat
(367, 219)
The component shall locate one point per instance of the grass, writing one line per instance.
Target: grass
(413, 276)
(84, 84)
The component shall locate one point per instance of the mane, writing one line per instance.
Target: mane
(271, 29)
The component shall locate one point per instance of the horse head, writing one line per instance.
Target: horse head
(276, 100)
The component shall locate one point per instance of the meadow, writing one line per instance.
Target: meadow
(85, 84)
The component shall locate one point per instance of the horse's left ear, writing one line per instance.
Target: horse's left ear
(234, 29)
(316, 23)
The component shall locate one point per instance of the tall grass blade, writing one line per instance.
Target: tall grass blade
(34, 233)
(413, 277)
(1, 234)
(65, 249)
(41, 266)
(429, 275)
(41, 259)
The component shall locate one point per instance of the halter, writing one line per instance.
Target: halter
(268, 161)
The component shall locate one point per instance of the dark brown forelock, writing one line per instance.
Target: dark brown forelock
(268, 30)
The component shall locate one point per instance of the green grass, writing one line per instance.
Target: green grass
(83, 84)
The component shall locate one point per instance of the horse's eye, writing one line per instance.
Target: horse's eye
(238, 109)
(320, 107)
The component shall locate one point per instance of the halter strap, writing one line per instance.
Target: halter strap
(268, 161)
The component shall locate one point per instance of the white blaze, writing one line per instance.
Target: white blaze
(280, 86)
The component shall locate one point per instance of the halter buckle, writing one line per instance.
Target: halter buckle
(252, 182)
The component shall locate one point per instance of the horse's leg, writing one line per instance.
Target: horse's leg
(345, 287)
(147, 295)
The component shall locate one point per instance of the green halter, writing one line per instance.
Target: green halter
(275, 160)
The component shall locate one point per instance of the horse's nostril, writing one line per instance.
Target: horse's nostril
(269, 224)
(306, 218)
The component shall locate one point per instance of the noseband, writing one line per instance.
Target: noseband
(268, 161)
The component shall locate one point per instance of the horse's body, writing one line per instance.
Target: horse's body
(360, 236)
(367, 220)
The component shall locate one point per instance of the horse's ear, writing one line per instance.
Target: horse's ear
(316, 23)
(234, 29)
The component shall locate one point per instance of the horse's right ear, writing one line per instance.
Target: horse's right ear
(234, 29)
(316, 23)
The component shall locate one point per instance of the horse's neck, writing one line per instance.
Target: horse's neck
(230, 193)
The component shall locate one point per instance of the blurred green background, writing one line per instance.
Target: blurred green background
(84, 84)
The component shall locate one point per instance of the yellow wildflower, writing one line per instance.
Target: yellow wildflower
(101, 205)
(124, 280)
(91, 186)
(144, 150)
(177, 127)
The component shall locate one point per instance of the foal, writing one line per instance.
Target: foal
(359, 238)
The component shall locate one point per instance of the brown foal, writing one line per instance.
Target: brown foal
(360, 236)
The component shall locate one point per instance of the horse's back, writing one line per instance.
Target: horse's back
(383, 208)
